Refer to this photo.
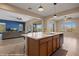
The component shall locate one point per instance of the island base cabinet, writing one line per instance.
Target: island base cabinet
(32, 47)
(57, 43)
(44, 46)
(50, 47)
(43, 49)
(54, 44)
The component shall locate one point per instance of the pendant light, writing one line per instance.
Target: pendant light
(40, 8)
(55, 15)
(55, 10)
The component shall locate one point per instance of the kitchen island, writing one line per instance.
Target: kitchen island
(43, 44)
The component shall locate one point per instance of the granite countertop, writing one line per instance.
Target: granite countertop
(40, 35)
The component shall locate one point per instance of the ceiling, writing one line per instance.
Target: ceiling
(72, 16)
(13, 16)
(48, 7)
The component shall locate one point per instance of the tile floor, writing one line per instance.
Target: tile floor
(12, 47)
(71, 44)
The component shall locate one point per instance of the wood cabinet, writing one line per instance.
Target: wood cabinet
(56, 38)
(43, 47)
(50, 46)
(32, 47)
(57, 43)
(54, 44)
(46, 46)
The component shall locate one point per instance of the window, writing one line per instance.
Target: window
(51, 26)
(70, 26)
(37, 27)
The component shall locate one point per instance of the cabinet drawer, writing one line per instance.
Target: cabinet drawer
(45, 40)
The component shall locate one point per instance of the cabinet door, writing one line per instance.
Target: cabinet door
(43, 49)
(32, 47)
(54, 44)
(57, 43)
(50, 47)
